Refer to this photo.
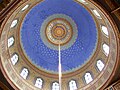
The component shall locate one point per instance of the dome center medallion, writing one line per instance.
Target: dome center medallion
(58, 31)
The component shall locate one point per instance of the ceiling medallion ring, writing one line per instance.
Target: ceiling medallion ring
(58, 29)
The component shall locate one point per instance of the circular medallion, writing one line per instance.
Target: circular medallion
(59, 29)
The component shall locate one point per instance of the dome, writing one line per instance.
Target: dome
(40, 39)
(40, 35)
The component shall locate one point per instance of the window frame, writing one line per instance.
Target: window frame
(97, 66)
(23, 8)
(27, 73)
(105, 52)
(103, 30)
(36, 80)
(12, 56)
(95, 12)
(13, 42)
(91, 76)
(13, 26)
(75, 82)
(52, 84)
(83, 1)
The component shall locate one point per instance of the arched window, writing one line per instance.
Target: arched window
(96, 13)
(10, 41)
(100, 65)
(106, 49)
(14, 59)
(83, 1)
(39, 83)
(24, 73)
(111, 88)
(104, 30)
(25, 7)
(72, 85)
(14, 23)
(88, 78)
(55, 86)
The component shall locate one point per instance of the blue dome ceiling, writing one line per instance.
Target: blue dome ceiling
(47, 58)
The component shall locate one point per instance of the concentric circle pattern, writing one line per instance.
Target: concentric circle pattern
(32, 33)
(51, 23)
(59, 31)
(68, 27)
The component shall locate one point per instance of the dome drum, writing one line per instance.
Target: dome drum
(88, 39)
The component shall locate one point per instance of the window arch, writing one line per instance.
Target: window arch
(106, 49)
(104, 30)
(83, 1)
(11, 41)
(55, 86)
(24, 73)
(96, 13)
(73, 85)
(14, 23)
(25, 7)
(88, 77)
(39, 83)
(14, 58)
(100, 65)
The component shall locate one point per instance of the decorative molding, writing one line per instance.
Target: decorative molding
(7, 9)
(114, 86)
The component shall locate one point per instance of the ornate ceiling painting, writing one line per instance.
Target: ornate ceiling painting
(32, 33)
